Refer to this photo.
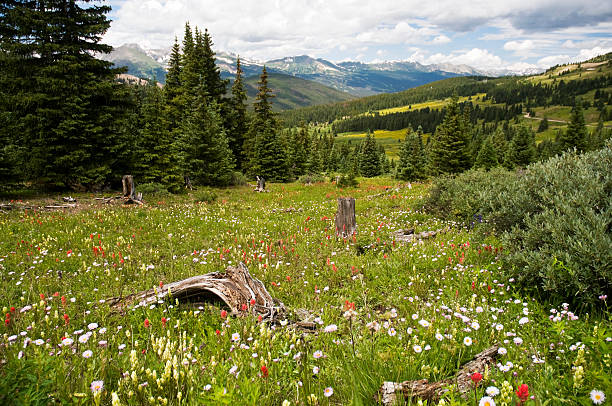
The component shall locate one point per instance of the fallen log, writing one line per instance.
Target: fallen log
(235, 288)
(408, 235)
(391, 392)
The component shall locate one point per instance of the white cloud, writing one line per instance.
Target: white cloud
(553, 60)
(268, 29)
(475, 57)
(441, 39)
(519, 46)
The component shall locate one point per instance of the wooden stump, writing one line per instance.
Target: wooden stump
(346, 224)
(128, 186)
(261, 184)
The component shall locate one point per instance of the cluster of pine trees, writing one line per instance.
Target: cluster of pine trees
(458, 145)
(68, 123)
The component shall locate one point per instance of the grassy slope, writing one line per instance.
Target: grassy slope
(560, 113)
(292, 92)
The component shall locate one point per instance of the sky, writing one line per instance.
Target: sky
(490, 34)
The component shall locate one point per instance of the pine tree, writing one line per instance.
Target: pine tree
(487, 157)
(449, 151)
(576, 134)
(411, 158)
(204, 154)
(369, 159)
(62, 100)
(266, 152)
(299, 151)
(156, 158)
(238, 127)
(173, 88)
(314, 156)
(215, 86)
(189, 75)
(522, 149)
(543, 125)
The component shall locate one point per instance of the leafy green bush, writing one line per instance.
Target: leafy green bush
(467, 196)
(152, 189)
(311, 178)
(205, 196)
(555, 218)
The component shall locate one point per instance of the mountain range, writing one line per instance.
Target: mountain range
(355, 79)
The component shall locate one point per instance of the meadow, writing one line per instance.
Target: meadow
(385, 311)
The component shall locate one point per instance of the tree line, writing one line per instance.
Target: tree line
(458, 144)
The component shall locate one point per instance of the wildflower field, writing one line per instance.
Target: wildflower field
(385, 311)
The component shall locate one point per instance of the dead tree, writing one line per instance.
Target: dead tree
(128, 186)
(235, 288)
(261, 184)
(390, 392)
(346, 224)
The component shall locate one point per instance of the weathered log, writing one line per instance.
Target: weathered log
(389, 392)
(188, 184)
(261, 184)
(63, 206)
(408, 235)
(235, 288)
(69, 199)
(346, 224)
(128, 186)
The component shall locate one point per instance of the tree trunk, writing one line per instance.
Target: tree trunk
(346, 224)
(235, 288)
(128, 186)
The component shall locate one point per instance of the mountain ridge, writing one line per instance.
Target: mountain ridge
(356, 78)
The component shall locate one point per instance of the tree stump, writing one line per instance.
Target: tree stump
(261, 184)
(128, 186)
(346, 224)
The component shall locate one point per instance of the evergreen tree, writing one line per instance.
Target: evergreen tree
(543, 125)
(298, 151)
(215, 86)
(204, 153)
(314, 156)
(411, 158)
(173, 88)
(156, 160)
(369, 159)
(238, 127)
(189, 74)
(576, 134)
(62, 100)
(522, 149)
(449, 151)
(266, 152)
(487, 157)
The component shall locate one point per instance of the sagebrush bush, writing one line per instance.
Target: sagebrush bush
(554, 217)
(205, 196)
(152, 189)
(311, 178)
(238, 179)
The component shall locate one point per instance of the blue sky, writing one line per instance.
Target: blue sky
(489, 34)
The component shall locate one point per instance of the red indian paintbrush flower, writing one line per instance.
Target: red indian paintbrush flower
(523, 393)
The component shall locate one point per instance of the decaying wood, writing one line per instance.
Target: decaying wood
(261, 184)
(389, 392)
(408, 235)
(236, 288)
(62, 206)
(346, 224)
(128, 186)
(287, 210)
(188, 184)
(69, 199)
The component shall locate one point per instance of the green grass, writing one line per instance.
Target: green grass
(56, 263)
(391, 140)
